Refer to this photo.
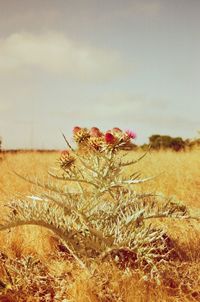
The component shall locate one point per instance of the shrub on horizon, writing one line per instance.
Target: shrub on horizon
(159, 142)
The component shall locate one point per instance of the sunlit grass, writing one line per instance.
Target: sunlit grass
(178, 176)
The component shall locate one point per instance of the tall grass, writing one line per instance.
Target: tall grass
(180, 179)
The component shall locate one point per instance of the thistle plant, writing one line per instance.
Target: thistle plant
(104, 216)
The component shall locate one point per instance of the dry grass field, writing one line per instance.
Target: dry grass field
(55, 277)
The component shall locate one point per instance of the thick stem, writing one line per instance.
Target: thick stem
(58, 232)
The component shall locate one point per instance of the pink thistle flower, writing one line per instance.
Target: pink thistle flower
(131, 134)
(76, 129)
(95, 132)
(109, 138)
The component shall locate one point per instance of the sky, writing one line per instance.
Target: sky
(109, 63)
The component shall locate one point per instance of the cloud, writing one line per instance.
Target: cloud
(122, 103)
(117, 107)
(143, 8)
(172, 121)
(150, 8)
(54, 53)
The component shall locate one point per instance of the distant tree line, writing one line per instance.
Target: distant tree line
(163, 142)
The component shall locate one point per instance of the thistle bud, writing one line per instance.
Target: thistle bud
(95, 132)
(109, 138)
(76, 129)
(116, 129)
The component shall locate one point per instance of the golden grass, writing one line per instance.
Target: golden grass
(178, 176)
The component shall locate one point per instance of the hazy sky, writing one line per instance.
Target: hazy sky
(106, 63)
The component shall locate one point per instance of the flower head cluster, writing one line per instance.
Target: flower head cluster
(80, 134)
(66, 160)
(100, 141)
